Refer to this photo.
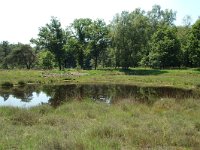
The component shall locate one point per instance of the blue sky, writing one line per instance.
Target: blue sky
(20, 19)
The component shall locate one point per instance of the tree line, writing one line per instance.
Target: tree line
(131, 39)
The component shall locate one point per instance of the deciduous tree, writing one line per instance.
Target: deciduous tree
(165, 48)
(194, 45)
(24, 56)
(53, 38)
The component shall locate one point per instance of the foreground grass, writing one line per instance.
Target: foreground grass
(168, 124)
(188, 78)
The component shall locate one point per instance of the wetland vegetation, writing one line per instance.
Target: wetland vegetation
(167, 124)
(131, 84)
(77, 116)
(181, 78)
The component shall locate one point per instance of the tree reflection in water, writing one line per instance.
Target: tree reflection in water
(109, 93)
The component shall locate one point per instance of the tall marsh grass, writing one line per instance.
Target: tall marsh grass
(167, 124)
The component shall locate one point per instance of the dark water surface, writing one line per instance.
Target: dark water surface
(55, 95)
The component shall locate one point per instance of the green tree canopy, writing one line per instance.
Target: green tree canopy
(23, 56)
(129, 37)
(80, 30)
(53, 38)
(165, 48)
(98, 40)
(5, 50)
(194, 45)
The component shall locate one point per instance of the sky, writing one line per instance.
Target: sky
(21, 19)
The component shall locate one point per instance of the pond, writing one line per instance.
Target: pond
(55, 95)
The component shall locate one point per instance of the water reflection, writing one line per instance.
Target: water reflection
(55, 95)
(34, 100)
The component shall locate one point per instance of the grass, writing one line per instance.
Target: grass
(189, 78)
(167, 124)
(181, 78)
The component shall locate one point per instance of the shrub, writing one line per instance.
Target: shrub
(21, 83)
(7, 84)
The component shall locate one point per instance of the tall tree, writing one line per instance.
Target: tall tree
(187, 21)
(24, 56)
(53, 38)
(5, 51)
(194, 45)
(71, 52)
(129, 32)
(165, 48)
(183, 35)
(98, 40)
(80, 30)
(6, 48)
(121, 41)
(158, 16)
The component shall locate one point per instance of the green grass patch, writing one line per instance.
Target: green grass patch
(167, 124)
(182, 78)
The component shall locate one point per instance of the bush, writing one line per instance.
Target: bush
(7, 84)
(21, 83)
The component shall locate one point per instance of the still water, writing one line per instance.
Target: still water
(55, 95)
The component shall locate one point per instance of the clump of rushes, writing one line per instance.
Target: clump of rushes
(30, 81)
(21, 83)
(25, 117)
(197, 85)
(7, 84)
